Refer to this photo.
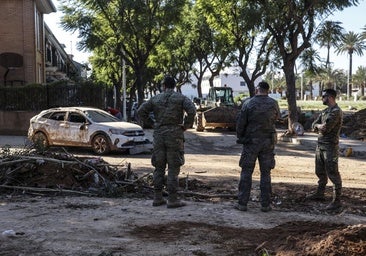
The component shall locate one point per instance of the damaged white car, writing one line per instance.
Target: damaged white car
(87, 127)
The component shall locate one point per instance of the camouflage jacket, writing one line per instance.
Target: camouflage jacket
(332, 117)
(169, 108)
(257, 118)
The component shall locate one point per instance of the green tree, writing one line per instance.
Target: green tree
(292, 24)
(131, 29)
(205, 46)
(329, 35)
(351, 43)
(175, 55)
(239, 22)
(220, 48)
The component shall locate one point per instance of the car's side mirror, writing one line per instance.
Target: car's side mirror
(83, 126)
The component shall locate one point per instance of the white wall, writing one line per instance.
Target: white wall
(229, 77)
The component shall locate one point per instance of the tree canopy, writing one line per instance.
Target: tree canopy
(189, 38)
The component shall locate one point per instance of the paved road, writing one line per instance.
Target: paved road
(308, 139)
(13, 141)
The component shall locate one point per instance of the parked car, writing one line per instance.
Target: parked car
(86, 127)
(148, 124)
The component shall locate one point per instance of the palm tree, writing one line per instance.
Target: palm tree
(331, 78)
(360, 79)
(363, 34)
(351, 42)
(309, 59)
(329, 35)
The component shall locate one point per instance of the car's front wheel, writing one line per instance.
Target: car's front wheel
(40, 141)
(100, 145)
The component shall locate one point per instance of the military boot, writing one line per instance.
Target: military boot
(158, 198)
(241, 207)
(336, 204)
(318, 195)
(174, 202)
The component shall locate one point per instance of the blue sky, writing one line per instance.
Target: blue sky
(353, 19)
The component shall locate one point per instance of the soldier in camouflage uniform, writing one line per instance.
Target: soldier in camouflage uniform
(328, 125)
(173, 113)
(255, 129)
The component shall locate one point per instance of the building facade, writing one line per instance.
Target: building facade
(29, 52)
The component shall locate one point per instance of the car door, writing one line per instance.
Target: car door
(76, 129)
(54, 127)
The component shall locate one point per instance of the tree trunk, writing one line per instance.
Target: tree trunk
(291, 95)
(140, 87)
(118, 100)
(349, 91)
(311, 89)
(199, 88)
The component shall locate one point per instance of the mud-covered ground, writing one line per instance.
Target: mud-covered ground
(58, 223)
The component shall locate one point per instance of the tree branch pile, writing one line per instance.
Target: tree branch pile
(30, 171)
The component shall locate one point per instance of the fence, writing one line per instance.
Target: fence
(38, 97)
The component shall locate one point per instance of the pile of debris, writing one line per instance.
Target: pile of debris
(354, 125)
(55, 172)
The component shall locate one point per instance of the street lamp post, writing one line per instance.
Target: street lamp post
(272, 83)
(302, 87)
(124, 86)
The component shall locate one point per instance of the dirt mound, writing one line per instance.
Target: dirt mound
(289, 239)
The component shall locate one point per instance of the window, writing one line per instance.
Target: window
(76, 118)
(58, 116)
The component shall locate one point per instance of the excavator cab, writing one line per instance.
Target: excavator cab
(218, 110)
(220, 96)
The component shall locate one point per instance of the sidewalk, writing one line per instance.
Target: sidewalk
(357, 147)
(13, 141)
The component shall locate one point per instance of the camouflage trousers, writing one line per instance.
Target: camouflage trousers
(326, 166)
(263, 150)
(168, 151)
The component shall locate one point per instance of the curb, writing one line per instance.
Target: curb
(347, 147)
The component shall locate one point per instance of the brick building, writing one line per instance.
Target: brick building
(29, 52)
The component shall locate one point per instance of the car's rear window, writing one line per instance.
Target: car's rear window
(100, 116)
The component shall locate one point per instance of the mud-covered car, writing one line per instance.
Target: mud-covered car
(86, 127)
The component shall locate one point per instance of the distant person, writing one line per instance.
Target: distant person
(328, 125)
(255, 129)
(173, 114)
(115, 112)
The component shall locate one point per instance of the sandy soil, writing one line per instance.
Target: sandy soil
(127, 224)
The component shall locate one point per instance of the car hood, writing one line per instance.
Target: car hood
(121, 125)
